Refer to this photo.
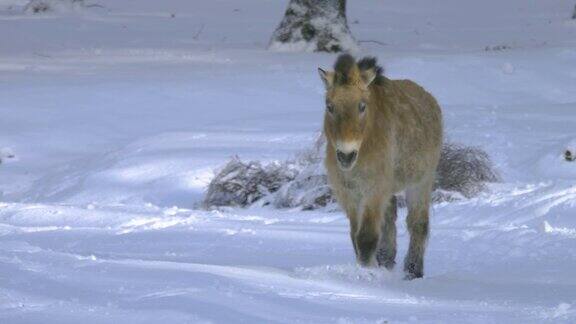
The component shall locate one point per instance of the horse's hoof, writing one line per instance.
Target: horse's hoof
(389, 265)
(412, 276)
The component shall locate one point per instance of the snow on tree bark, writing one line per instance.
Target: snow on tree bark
(314, 26)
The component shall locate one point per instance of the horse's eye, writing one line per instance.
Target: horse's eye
(330, 108)
(362, 106)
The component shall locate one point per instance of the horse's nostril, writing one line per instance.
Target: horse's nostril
(346, 158)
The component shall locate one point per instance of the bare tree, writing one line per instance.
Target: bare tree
(315, 26)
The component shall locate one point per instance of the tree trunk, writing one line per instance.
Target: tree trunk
(315, 26)
(574, 13)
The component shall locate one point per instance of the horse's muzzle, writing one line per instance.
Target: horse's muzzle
(346, 160)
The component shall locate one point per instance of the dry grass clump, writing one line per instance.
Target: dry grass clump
(462, 173)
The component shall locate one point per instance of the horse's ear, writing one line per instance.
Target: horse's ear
(368, 76)
(327, 78)
(369, 70)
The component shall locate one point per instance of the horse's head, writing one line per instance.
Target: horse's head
(348, 106)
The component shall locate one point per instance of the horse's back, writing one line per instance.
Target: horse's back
(419, 97)
(419, 137)
(425, 112)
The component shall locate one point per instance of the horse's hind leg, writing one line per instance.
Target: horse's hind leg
(386, 254)
(418, 199)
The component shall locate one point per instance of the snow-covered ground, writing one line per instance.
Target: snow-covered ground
(116, 118)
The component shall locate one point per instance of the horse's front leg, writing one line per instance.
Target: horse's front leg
(386, 254)
(418, 198)
(353, 218)
(369, 231)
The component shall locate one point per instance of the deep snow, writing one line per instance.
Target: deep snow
(117, 117)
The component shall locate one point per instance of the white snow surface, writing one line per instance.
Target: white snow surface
(114, 118)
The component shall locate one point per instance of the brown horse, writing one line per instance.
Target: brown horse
(384, 137)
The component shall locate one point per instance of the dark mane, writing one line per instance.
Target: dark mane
(342, 68)
(368, 63)
(345, 63)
